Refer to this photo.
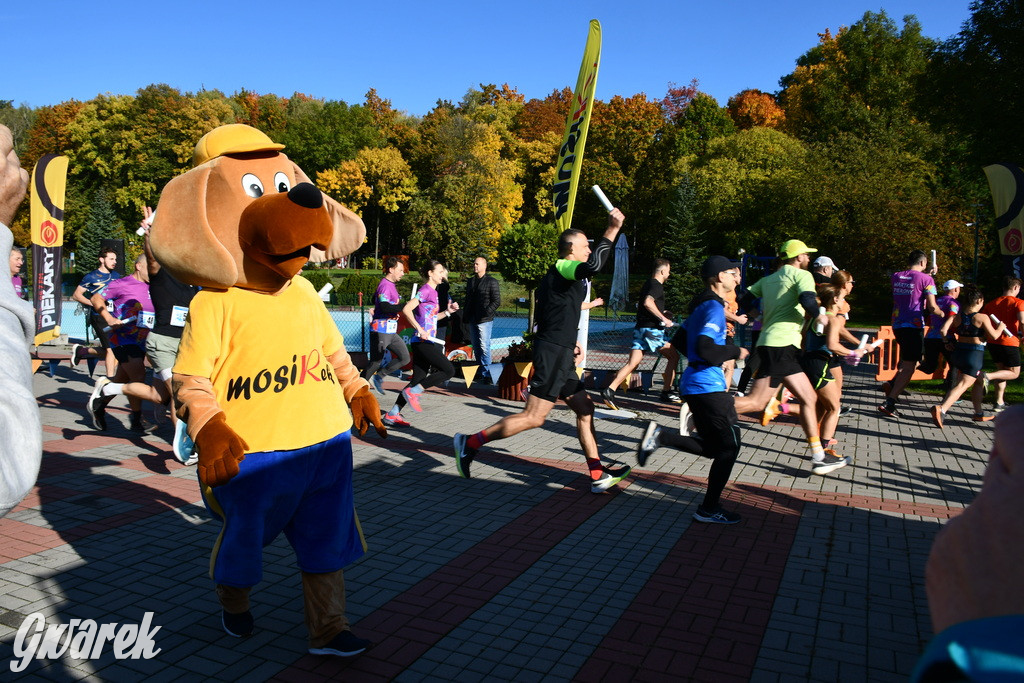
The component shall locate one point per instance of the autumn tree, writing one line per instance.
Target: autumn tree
(132, 146)
(861, 80)
(320, 135)
(751, 108)
(740, 186)
(473, 196)
(268, 113)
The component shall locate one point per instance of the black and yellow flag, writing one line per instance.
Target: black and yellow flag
(1007, 184)
(49, 181)
(570, 154)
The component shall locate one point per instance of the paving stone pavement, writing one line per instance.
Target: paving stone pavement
(519, 573)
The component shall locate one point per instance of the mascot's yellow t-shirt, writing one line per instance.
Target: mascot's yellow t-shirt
(267, 358)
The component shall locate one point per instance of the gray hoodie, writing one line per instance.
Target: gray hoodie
(21, 435)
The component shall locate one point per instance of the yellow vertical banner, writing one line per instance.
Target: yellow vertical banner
(1006, 181)
(49, 182)
(570, 154)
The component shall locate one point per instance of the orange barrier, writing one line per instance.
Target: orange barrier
(887, 356)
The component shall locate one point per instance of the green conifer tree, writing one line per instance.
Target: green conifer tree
(102, 223)
(685, 248)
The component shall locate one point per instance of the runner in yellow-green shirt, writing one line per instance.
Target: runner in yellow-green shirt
(787, 297)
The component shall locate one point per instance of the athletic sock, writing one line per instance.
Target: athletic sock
(112, 389)
(395, 410)
(418, 389)
(596, 469)
(477, 440)
(817, 452)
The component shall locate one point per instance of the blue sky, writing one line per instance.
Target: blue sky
(415, 53)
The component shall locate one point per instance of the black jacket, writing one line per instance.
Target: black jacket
(483, 296)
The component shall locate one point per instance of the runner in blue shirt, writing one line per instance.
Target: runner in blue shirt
(705, 390)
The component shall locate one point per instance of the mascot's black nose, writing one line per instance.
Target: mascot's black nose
(306, 195)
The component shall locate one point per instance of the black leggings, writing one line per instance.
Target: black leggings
(715, 419)
(379, 343)
(427, 356)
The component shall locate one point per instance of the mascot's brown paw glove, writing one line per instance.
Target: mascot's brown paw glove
(366, 411)
(220, 450)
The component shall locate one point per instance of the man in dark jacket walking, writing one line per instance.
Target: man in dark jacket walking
(483, 297)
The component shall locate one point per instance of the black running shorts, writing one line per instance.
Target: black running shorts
(779, 361)
(1008, 356)
(911, 343)
(554, 372)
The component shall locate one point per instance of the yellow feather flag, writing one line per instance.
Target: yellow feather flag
(570, 154)
(49, 181)
(1007, 184)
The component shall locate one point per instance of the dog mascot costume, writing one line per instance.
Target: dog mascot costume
(262, 377)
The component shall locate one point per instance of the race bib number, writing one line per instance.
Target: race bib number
(178, 315)
(110, 306)
(391, 327)
(146, 319)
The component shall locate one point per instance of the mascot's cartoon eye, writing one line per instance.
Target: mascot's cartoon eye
(281, 180)
(252, 185)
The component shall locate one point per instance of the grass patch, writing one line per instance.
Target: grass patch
(1014, 388)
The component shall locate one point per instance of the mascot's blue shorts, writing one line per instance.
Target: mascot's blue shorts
(306, 493)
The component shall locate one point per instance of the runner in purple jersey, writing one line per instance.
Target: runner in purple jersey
(387, 307)
(913, 295)
(430, 365)
(934, 345)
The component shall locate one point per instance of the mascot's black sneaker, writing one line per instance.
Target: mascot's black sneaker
(345, 644)
(237, 625)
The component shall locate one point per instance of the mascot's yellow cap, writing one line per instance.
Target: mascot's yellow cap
(233, 138)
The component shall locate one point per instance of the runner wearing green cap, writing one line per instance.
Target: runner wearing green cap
(786, 296)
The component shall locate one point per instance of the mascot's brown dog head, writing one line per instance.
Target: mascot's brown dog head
(199, 235)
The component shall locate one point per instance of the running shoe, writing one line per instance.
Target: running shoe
(845, 410)
(237, 625)
(97, 404)
(608, 396)
(716, 516)
(183, 447)
(771, 411)
(671, 397)
(830, 462)
(141, 425)
(345, 644)
(999, 407)
(888, 409)
(937, 416)
(648, 443)
(983, 417)
(412, 399)
(378, 382)
(686, 425)
(74, 354)
(609, 479)
(396, 421)
(464, 455)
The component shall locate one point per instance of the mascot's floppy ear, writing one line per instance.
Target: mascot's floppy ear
(349, 231)
(181, 237)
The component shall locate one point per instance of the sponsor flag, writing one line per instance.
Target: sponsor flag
(49, 180)
(1007, 184)
(570, 154)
